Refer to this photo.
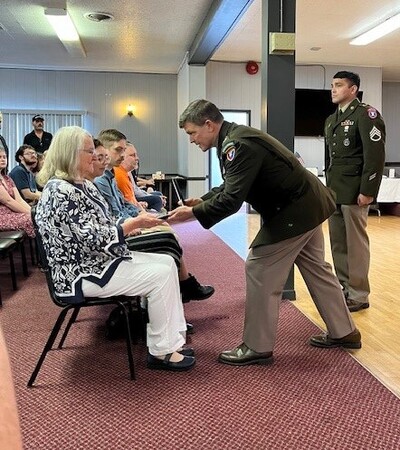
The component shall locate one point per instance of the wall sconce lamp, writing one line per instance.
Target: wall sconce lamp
(131, 110)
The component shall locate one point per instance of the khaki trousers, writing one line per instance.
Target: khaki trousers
(267, 269)
(350, 250)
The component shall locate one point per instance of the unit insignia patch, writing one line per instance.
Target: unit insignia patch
(372, 113)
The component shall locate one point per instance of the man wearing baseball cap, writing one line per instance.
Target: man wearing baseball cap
(39, 139)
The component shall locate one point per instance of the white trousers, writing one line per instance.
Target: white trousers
(155, 277)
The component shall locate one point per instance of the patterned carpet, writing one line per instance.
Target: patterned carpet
(308, 399)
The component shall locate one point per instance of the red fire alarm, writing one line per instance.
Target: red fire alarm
(252, 67)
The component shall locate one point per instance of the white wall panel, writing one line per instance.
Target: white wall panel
(229, 86)
(104, 96)
(391, 114)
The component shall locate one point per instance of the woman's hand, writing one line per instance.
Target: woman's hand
(143, 220)
(135, 232)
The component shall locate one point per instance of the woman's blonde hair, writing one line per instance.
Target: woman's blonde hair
(62, 156)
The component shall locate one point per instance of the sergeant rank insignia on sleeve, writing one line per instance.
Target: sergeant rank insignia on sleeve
(375, 135)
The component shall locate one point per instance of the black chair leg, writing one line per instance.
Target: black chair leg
(32, 250)
(23, 258)
(72, 319)
(49, 344)
(142, 314)
(12, 269)
(128, 339)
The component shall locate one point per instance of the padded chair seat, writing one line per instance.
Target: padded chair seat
(19, 236)
(13, 234)
(6, 245)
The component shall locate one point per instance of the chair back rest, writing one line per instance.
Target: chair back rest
(44, 262)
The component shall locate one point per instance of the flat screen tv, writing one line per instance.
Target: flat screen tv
(312, 107)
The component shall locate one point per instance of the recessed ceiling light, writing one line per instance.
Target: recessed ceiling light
(315, 49)
(99, 16)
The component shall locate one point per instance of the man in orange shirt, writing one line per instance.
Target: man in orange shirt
(126, 183)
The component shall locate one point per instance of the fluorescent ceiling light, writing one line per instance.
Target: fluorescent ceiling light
(66, 31)
(377, 32)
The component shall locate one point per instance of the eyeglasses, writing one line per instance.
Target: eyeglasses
(103, 158)
(30, 154)
(89, 151)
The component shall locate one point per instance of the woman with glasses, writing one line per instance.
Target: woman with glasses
(88, 255)
(15, 213)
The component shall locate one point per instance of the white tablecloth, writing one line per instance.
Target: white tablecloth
(389, 191)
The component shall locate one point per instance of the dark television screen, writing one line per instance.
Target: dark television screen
(312, 107)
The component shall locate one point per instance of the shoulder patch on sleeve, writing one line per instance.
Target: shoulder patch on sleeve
(226, 145)
(229, 149)
(372, 113)
(230, 153)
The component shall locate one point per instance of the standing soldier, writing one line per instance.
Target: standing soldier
(355, 158)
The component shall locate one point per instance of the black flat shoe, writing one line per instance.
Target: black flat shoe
(189, 328)
(186, 351)
(165, 364)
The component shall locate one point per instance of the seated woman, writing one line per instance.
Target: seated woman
(88, 255)
(15, 213)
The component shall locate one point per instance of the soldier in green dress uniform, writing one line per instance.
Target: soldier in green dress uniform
(293, 203)
(354, 162)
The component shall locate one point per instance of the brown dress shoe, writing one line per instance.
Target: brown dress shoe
(355, 306)
(243, 356)
(352, 340)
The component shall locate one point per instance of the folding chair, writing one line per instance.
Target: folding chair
(123, 301)
(19, 236)
(7, 246)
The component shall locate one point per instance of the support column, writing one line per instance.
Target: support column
(278, 85)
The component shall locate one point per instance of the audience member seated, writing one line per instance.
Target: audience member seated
(146, 184)
(15, 213)
(127, 185)
(76, 227)
(23, 176)
(162, 240)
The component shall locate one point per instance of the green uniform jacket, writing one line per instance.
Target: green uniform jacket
(258, 169)
(354, 152)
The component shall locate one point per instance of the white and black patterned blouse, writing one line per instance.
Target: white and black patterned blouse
(80, 237)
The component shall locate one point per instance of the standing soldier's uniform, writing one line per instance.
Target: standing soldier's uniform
(354, 162)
